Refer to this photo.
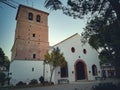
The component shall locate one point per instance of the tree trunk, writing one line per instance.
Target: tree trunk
(51, 75)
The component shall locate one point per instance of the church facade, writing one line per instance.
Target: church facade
(31, 44)
(82, 61)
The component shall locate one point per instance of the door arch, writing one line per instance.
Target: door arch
(80, 70)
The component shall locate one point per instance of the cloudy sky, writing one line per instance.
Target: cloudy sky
(60, 25)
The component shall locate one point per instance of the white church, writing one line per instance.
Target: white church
(31, 44)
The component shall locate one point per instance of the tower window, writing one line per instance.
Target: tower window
(30, 16)
(33, 35)
(34, 56)
(38, 18)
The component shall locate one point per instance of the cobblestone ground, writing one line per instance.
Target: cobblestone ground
(81, 85)
(61, 87)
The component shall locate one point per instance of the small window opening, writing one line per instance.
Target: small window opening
(73, 49)
(33, 35)
(32, 69)
(34, 56)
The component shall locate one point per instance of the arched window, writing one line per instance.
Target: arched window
(30, 16)
(38, 18)
(64, 71)
(94, 70)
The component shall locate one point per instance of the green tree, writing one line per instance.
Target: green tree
(4, 61)
(2, 56)
(7, 62)
(2, 78)
(80, 8)
(105, 38)
(55, 59)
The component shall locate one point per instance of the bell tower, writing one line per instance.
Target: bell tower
(31, 34)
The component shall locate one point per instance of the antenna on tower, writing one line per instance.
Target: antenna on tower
(32, 4)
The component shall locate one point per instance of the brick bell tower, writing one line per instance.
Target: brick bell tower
(31, 34)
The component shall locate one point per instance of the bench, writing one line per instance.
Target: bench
(97, 78)
(63, 81)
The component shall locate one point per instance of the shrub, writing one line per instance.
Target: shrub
(48, 83)
(2, 78)
(41, 79)
(105, 86)
(33, 82)
(52, 83)
(118, 86)
(21, 83)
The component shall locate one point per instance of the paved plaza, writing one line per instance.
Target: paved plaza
(81, 85)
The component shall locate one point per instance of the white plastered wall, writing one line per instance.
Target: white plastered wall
(90, 58)
(24, 70)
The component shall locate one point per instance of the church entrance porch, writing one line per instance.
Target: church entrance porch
(80, 70)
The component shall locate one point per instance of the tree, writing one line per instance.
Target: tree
(55, 59)
(2, 78)
(105, 38)
(2, 56)
(53, 4)
(7, 62)
(80, 8)
(4, 61)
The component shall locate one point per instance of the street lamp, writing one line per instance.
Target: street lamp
(44, 68)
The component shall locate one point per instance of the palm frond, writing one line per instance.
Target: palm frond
(53, 4)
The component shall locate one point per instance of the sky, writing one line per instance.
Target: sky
(60, 25)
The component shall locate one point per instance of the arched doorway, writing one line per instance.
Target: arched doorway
(80, 70)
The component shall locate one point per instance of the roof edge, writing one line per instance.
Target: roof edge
(65, 39)
(29, 8)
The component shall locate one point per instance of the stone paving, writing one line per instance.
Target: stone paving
(62, 87)
(81, 85)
